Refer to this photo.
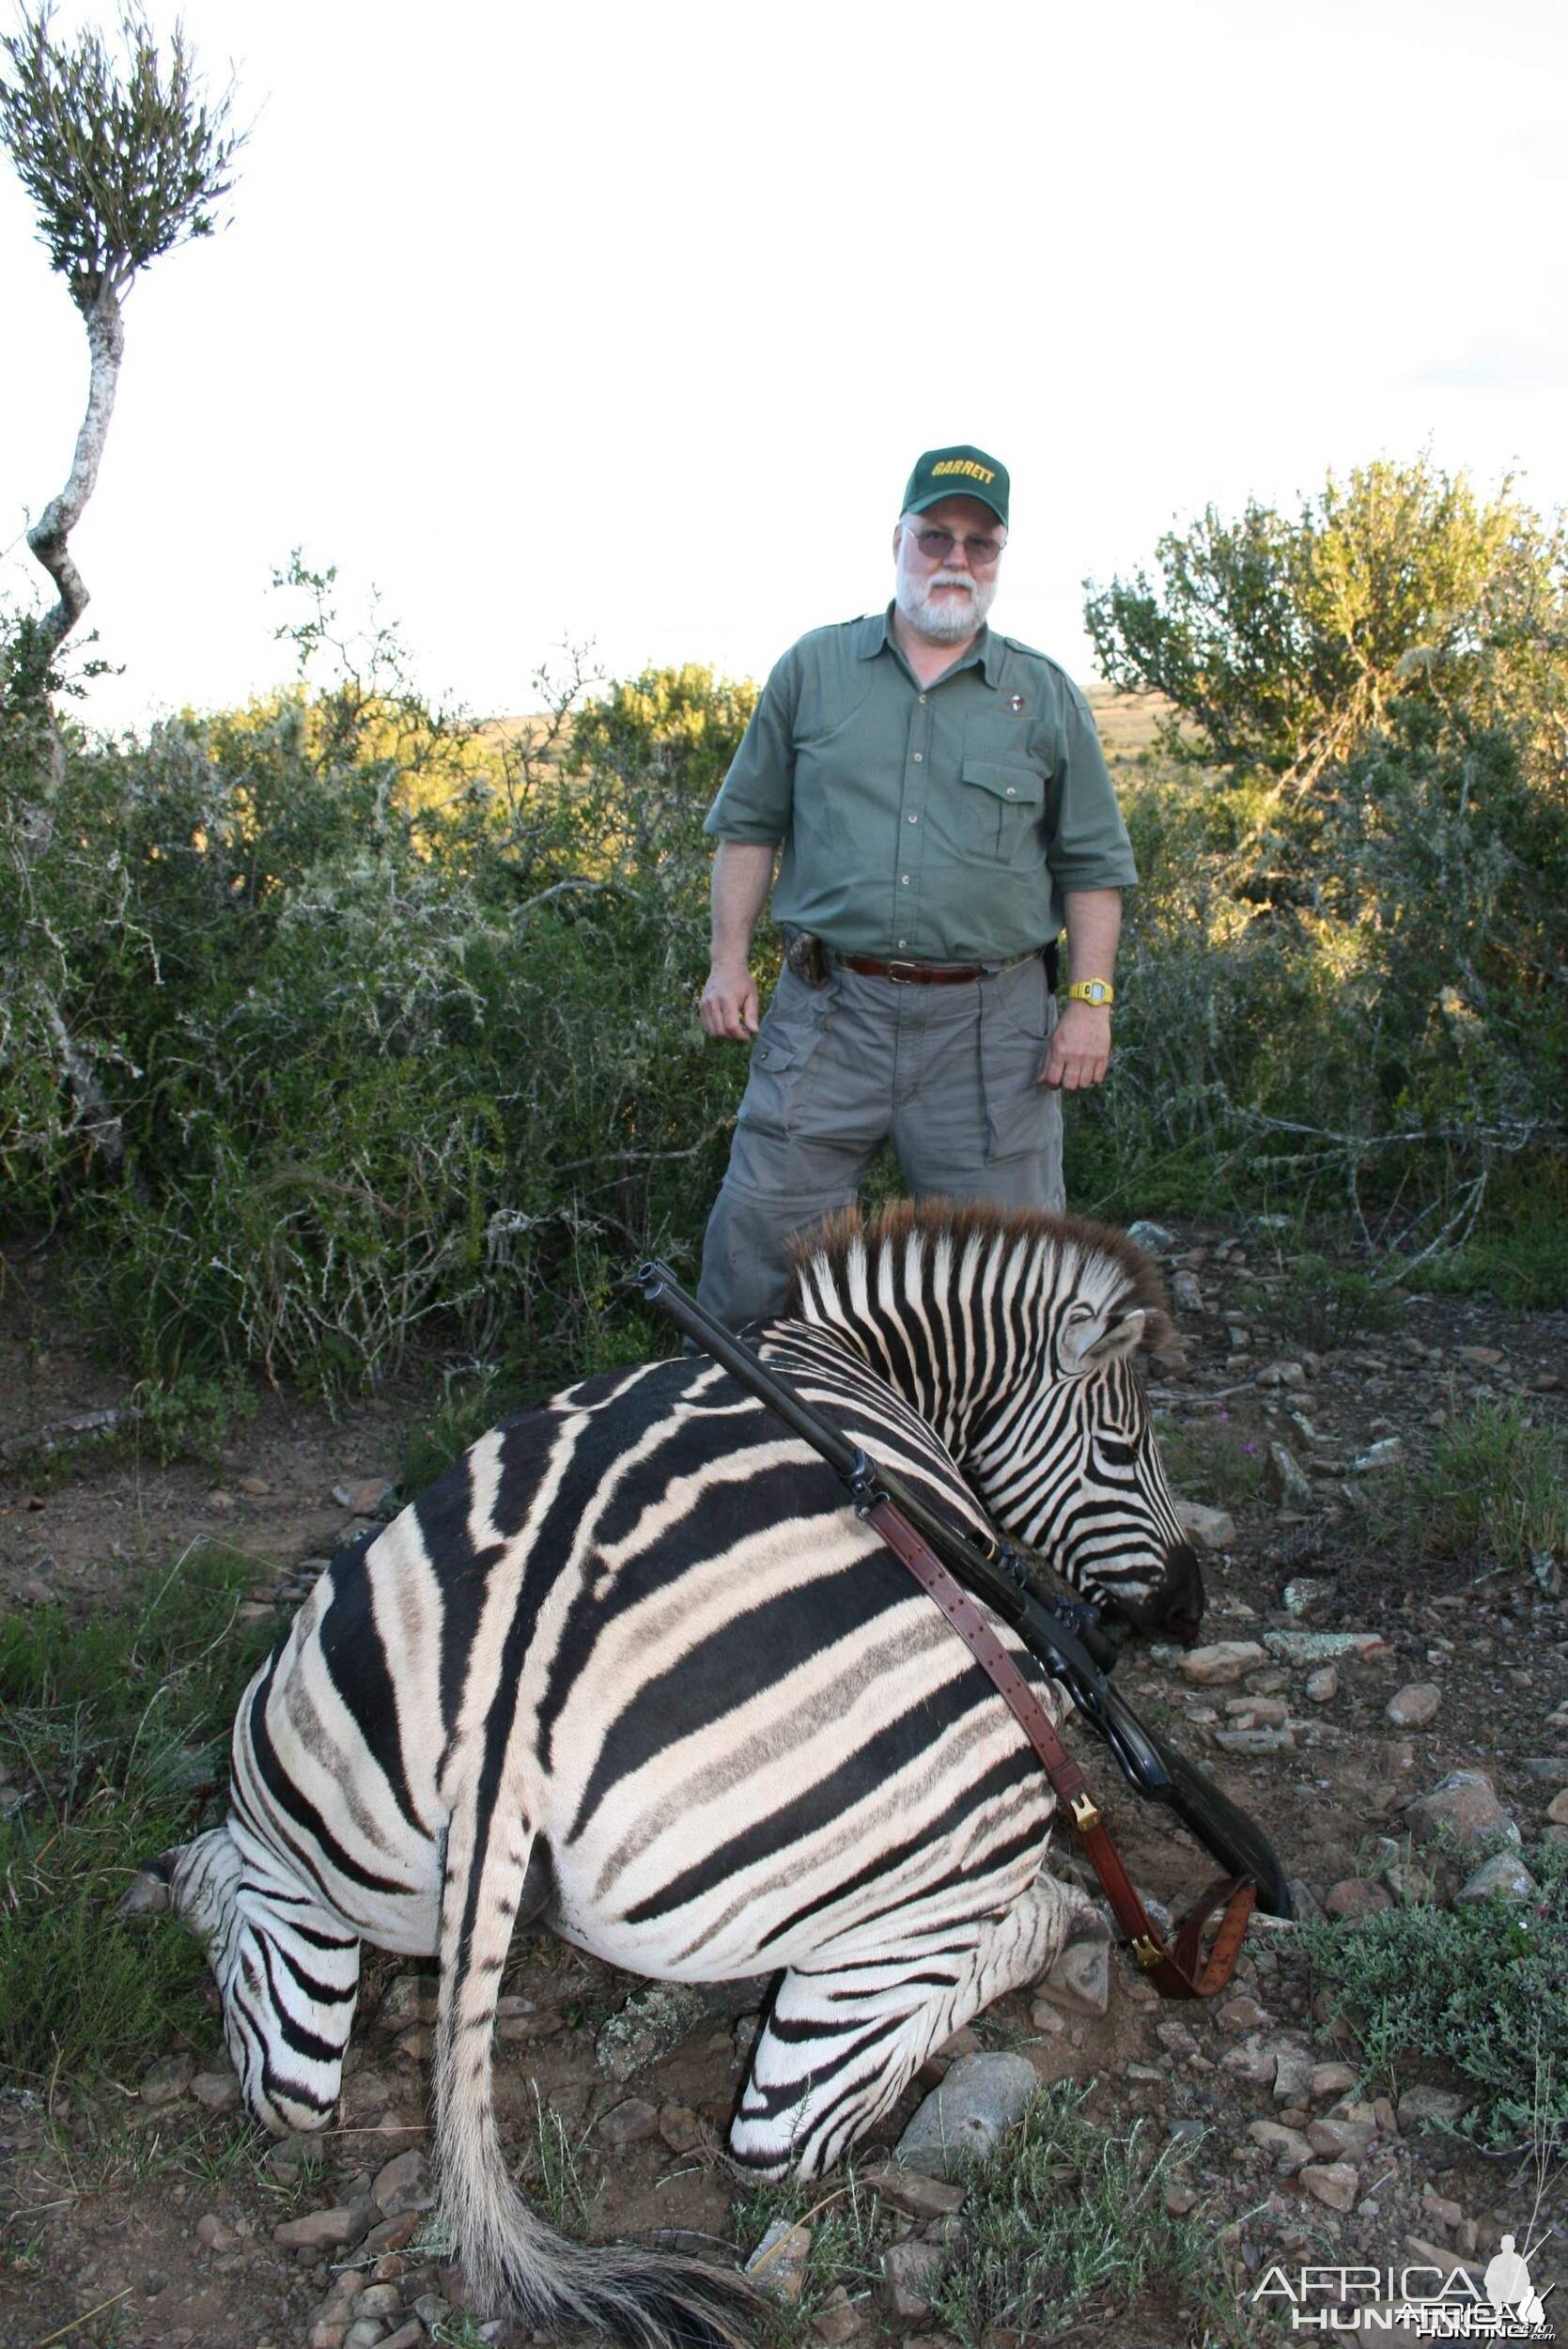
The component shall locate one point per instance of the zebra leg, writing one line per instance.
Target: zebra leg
(287, 1972)
(848, 2033)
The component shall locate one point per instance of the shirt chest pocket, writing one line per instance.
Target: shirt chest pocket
(1000, 809)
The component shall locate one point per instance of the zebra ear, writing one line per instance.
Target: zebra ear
(1109, 1338)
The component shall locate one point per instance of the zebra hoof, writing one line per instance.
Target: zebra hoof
(146, 1895)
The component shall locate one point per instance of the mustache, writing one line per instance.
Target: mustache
(952, 579)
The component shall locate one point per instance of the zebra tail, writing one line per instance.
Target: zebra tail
(513, 2261)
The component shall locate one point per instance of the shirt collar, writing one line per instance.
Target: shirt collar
(988, 653)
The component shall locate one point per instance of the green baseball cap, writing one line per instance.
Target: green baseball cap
(949, 473)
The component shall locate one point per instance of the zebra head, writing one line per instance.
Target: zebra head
(1017, 1335)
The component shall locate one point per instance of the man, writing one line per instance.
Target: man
(944, 808)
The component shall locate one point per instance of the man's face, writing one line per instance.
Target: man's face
(943, 591)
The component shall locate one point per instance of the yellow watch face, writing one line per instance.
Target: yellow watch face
(1092, 991)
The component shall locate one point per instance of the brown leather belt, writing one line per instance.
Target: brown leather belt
(925, 974)
(1175, 1969)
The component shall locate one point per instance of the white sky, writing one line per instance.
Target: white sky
(626, 323)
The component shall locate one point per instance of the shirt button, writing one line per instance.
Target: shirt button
(1011, 792)
(902, 941)
(924, 699)
(918, 755)
(914, 819)
(904, 879)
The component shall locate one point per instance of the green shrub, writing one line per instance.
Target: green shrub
(1483, 1987)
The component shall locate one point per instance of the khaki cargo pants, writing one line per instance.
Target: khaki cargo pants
(946, 1073)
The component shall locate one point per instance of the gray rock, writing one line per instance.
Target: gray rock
(1255, 1740)
(403, 2184)
(1504, 1876)
(1335, 2184)
(779, 2262)
(1221, 1663)
(1551, 1768)
(1439, 2107)
(1385, 1453)
(411, 1999)
(1079, 1979)
(628, 2123)
(1306, 1596)
(1322, 1686)
(1321, 1647)
(1284, 1478)
(1209, 1529)
(977, 2103)
(1153, 1237)
(1414, 1706)
(1357, 1896)
(1253, 2060)
(166, 2081)
(218, 2091)
(1186, 1294)
(915, 2193)
(1293, 2069)
(1332, 2080)
(656, 2018)
(335, 2230)
(363, 2333)
(1460, 1807)
(909, 2272)
(1289, 2148)
(1339, 2140)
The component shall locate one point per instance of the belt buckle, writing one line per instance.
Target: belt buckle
(904, 973)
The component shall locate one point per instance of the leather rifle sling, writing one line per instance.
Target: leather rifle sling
(1175, 1969)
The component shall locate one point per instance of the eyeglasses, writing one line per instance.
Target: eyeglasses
(937, 545)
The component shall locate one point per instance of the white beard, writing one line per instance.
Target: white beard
(950, 621)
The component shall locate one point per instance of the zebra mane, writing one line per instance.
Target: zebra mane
(908, 1244)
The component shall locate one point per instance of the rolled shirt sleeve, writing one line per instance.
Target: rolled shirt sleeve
(756, 798)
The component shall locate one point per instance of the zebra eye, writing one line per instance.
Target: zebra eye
(1117, 1453)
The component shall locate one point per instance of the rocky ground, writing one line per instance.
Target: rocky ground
(1386, 1708)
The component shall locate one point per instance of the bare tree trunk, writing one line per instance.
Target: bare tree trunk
(49, 535)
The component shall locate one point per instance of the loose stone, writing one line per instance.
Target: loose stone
(166, 2081)
(969, 2114)
(628, 2123)
(1333, 2183)
(1222, 1662)
(1414, 1706)
(1357, 1896)
(1502, 1877)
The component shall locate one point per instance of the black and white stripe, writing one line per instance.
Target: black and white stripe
(635, 1668)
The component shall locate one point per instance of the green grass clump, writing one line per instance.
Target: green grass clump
(1211, 1462)
(114, 1730)
(1497, 1489)
(1484, 1988)
(849, 2225)
(1064, 2211)
(1527, 1268)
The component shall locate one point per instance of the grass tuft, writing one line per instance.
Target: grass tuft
(1497, 1489)
(1065, 2211)
(114, 1732)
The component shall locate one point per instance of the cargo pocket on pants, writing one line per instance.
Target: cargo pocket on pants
(782, 1056)
(1017, 1013)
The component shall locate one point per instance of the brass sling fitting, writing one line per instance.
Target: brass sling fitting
(1084, 1813)
(1147, 1950)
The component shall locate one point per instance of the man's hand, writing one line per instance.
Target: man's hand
(1078, 1052)
(727, 1006)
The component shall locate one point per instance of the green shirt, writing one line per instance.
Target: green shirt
(944, 823)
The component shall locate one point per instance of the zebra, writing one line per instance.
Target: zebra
(634, 1668)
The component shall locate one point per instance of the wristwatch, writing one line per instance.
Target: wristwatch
(1090, 992)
